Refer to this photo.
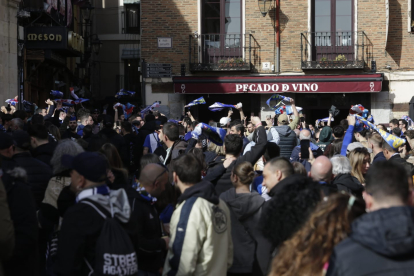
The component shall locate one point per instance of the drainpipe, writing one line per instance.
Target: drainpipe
(277, 36)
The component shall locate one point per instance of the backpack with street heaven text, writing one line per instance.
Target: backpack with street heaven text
(114, 253)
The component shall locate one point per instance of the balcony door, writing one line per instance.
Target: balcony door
(221, 37)
(333, 29)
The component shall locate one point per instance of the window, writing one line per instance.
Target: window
(411, 16)
(333, 29)
(221, 29)
(132, 19)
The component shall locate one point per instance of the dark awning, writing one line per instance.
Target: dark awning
(364, 83)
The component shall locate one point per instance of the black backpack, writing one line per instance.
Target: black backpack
(114, 253)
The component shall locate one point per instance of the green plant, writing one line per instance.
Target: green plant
(239, 60)
(222, 61)
(323, 59)
(340, 58)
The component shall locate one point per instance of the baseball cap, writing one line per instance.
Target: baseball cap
(283, 118)
(21, 139)
(108, 120)
(89, 164)
(224, 121)
(355, 145)
(5, 141)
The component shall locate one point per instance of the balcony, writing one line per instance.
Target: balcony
(335, 50)
(220, 52)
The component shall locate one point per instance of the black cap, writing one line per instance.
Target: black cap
(5, 141)
(89, 164)
(108, 120)
(21, 139)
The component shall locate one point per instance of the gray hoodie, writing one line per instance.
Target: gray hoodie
(248, 242)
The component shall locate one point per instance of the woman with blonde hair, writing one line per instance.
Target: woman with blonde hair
(309, 250)
(360, 161)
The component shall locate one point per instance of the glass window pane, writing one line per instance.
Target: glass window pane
(233, 41)
(232, 25)
(212, 26)
(212, 10)
(343, 7)
(322, 7)
(344, 23)
(233, 9)
(322, 24)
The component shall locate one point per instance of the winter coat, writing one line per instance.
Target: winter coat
(220, 176)
(6, 229)
(68, 134)
(177, 149)
(295, 155)
(409, 168)
(250, 248)
(348, 183)
(111, 136)
(288, 140)
(325, 138)
(23, 214)
(81, 227)
(152, 247)
(44, 152)
(379, 157)
(380, 243)
(38, 174)
(200, 228)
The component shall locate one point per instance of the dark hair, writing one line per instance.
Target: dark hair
(338, 131)
(233, 144)
(188, 168)
(187, 120)
(235, 122)
(37, 119)
(298, 168)
(239, 128)
(156, 113)
(181, 130)
(87, 131)
(198, 153)
(111, 153)
(149, 118)
(283, 164)
(386, 179)
(394, 122)
(127, 126)
(9, 117)
(344, 123)
(335, 147)
(409, 134)
(38, 131)
(386, 146)
(272, 151)
(244, 172)
(171, 131)
(364, 132)
(194, 124)
(163, 119)
(54, 130)
(20, 114)
(396, 131)
(404, 122)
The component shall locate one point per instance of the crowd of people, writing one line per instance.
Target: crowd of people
(83, 192)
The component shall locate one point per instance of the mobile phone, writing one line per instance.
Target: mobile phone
(304, 149)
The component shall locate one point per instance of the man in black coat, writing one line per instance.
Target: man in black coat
(38, 173)
(83, 222)
(393, 156)
(39, 140)
(321, 172)
(220, 175)
(152, 241)
(382, 241)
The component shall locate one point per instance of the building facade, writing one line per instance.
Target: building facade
(8, 50)
(355, 51)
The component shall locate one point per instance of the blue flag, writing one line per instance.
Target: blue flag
(220, 106)
(214, 134)
(151, 107)
(196, 102)
(124, 92)
(57, 94)
(279, 98)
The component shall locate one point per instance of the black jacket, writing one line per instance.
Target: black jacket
(220, 176)
(111, 136)
(381, 243)
(23, 214)
(38, 174)
(44, 152)
(251, 252)
(81, 227)
(288, 140)
(409, 168)
(68, 134)
(152, 247)
(134, 146)
(348, 183)
(379, 157)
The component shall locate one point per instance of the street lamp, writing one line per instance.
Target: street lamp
(96, 45)
(86, 11)
(264, 6)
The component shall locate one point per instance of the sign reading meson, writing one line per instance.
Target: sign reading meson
(53, 38)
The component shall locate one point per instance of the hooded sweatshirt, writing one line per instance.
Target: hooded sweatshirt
(325, 138)
(348, 183)
(381, 243)
(248, 242)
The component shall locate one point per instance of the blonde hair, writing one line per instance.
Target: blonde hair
(219, 150)
(356, 157)
(244, 172)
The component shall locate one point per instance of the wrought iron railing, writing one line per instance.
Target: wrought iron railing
(220, 52)
(335, 50)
